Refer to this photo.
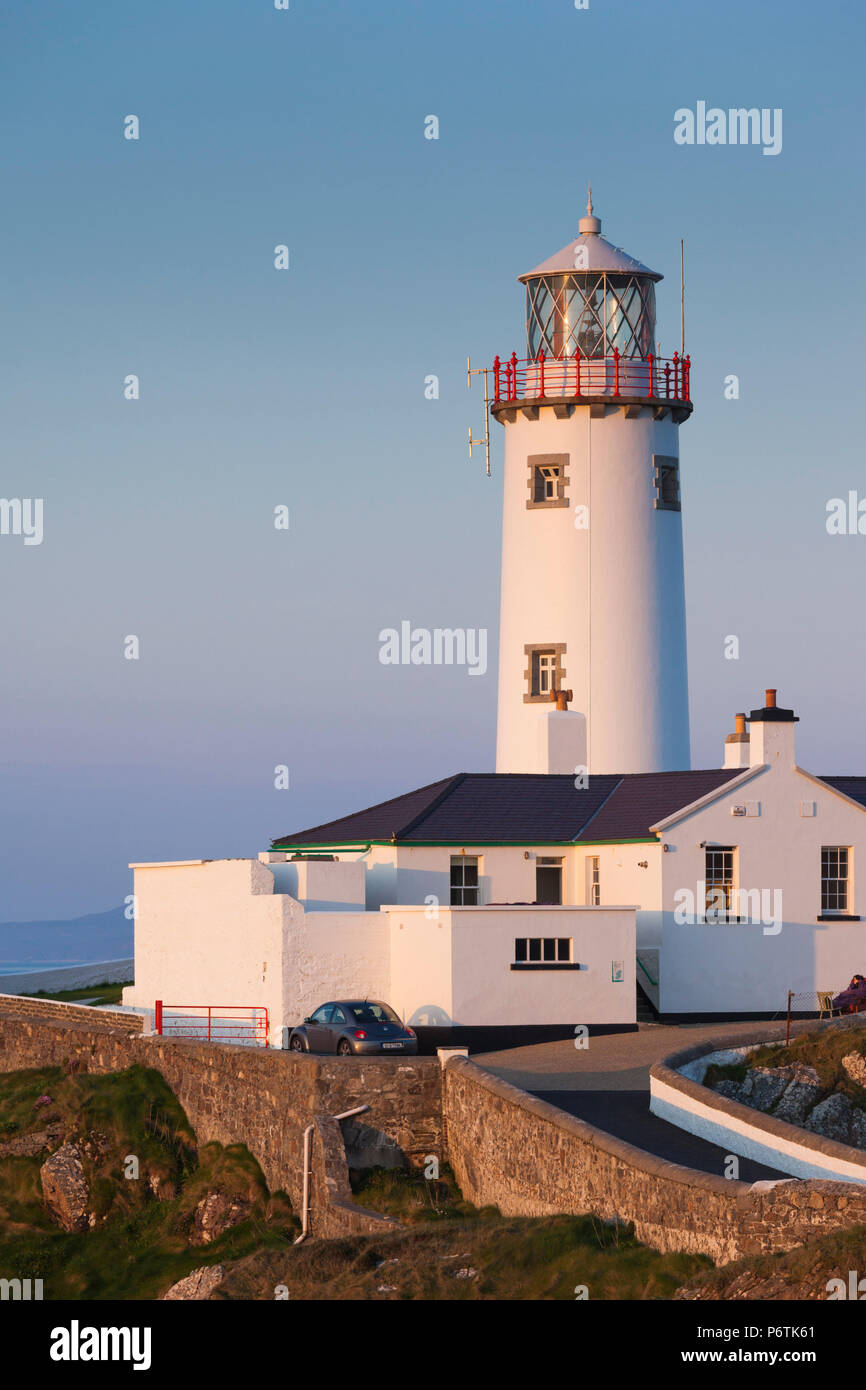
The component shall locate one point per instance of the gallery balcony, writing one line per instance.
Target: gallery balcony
(659, 384)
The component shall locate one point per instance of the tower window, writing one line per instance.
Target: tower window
(666, 479)
(544, 672)
(547, 480)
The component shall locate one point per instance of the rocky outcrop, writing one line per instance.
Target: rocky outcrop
(29, 1145)
(832, 1118)
(799, 1096)
(750, 1284)
(199, 1285)
(855, 1066)
(215, 1214)
(792, 1094)
(789, 1093)
(763, 1086)
(65, 1189)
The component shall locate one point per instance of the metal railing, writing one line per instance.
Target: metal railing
(244, 1025)
(537, 378)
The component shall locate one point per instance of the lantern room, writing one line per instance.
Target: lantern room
(590, 299)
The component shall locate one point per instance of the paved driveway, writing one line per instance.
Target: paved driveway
(607, 1084)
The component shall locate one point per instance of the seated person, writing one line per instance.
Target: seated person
(852, 999)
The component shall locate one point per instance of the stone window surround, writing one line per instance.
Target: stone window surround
(558, 649)
(559, 461)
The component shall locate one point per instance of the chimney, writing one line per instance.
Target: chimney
(737, 745)
(561, 743)
(771, 731)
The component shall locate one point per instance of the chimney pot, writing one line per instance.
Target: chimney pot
(771, 699)
(740, 723)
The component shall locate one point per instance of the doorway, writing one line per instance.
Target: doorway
(548, 881)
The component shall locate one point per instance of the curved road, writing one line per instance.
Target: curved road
(607, 1084)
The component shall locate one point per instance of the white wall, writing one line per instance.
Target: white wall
(319, 885)
(457, 968)
(614, 592)
(399, 874)
(743, 1135)
(743, 968)
(333, 955)
(209, 933)
(216, 933)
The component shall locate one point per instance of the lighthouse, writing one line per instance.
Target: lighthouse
(592, 647)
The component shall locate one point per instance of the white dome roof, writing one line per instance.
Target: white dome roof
(599, 255)
(596, 254)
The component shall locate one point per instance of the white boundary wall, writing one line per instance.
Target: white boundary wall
(739, 1136)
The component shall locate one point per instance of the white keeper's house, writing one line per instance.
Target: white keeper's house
(593, 869)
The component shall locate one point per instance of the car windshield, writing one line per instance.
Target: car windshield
(373, 1013)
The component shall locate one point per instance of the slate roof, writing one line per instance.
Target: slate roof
(855, 787)
(524, 808)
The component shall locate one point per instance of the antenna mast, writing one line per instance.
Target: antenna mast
(682, 300)
(485, 438)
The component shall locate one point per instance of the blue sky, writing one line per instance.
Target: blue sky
(306, 388)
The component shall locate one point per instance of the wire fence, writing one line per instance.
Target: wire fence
(821, 1003)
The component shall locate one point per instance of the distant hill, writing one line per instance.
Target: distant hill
(96, 936)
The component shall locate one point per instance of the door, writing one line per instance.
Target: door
(548, 883)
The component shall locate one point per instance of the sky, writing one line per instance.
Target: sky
(304, 388)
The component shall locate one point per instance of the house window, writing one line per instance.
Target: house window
(547, 480)
(593, 881)
(834, 878)
(543, 950)
(544, 671)
(464, 881)
(666, 478)
(719, 876)
(548, 880)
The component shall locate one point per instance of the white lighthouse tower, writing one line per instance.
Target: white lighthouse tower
(592, 601)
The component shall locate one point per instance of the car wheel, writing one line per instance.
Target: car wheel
(297, 1044)
(344, 1048)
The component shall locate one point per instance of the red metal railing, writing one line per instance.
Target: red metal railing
(539, 378)
(243, 1024)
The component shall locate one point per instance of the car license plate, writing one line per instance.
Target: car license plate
(392, 1044)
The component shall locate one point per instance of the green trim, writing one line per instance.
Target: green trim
(646, 972)
(445, 844)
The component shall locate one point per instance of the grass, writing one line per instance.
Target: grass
(409, 1196)
(104, 993)
(804, 1271)
(140, 1244)
(547, 1258)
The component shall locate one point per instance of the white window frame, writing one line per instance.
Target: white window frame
(844, 854)
(462, 889)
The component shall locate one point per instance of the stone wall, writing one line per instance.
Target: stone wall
(70, 1013)
(260, 1097)
(530, 1159)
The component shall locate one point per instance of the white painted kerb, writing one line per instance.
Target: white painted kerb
(747, 1140)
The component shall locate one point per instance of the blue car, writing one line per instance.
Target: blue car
(354, 1027)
